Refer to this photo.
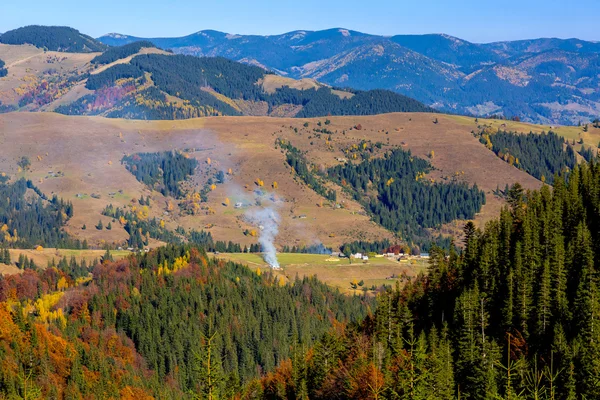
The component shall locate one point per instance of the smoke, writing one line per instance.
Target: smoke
(267, 220)
(318, 248)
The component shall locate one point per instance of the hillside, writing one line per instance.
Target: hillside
(54, 38)
(143, 82)
(162, 314)
(520, 78)
(241, 157)
(512, 316)
(215, 86)
(519, 301)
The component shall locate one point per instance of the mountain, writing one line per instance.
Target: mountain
(517, 47)
(465, 55)
(161, 86)
(139, 80)
(54, 38)
(541, 80)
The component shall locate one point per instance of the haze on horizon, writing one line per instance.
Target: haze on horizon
(471, 20)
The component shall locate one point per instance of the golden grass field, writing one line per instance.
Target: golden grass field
(88, 151)
(375, 272)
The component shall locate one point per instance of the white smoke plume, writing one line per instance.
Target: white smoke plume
(268, 221)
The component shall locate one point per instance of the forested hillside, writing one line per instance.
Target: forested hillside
(399, 196)
(212, 86)
(540, 155)
(116, 53)
(55, 38)
(512, 316)
(28, 218)
(170, 324)
(161, 171)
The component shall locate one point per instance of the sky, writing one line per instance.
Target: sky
(478, 21)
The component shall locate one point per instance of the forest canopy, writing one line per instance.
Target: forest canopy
(28, 218)
(54, 38)
(3, 71)
(395, 190)
(540, 155)
(161, 171)
(116, 53)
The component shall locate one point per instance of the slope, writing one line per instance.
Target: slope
(54, 38)
(245, 149)
(520, 78)
(215, 86)
(144, 82)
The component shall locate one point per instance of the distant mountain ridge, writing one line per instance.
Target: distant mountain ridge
(539, 80)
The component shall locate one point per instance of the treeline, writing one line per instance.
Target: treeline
(169, 324)
(185, 76)
(27, 220)
(161, 171)
(318, 248)
(141, 229)
(117, 53)
(54, 38)
(587, 153)
(363, 246)
(540, 155)
(304, 170)
(109, 76)
(325, 102)
(512, 316)
(3, 71)
(398, 195)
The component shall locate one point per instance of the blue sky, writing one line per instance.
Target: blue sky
(474, 20)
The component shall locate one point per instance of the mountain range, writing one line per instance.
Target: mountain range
(540, 80)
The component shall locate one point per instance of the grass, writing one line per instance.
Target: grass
(590, 138)
(95, 141)
(376, 272)
(42, 257)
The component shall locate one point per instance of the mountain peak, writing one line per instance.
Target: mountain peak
(115, 35)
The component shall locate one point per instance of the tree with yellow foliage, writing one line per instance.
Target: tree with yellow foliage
(275, 185)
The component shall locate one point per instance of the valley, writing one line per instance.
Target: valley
(319, 214)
